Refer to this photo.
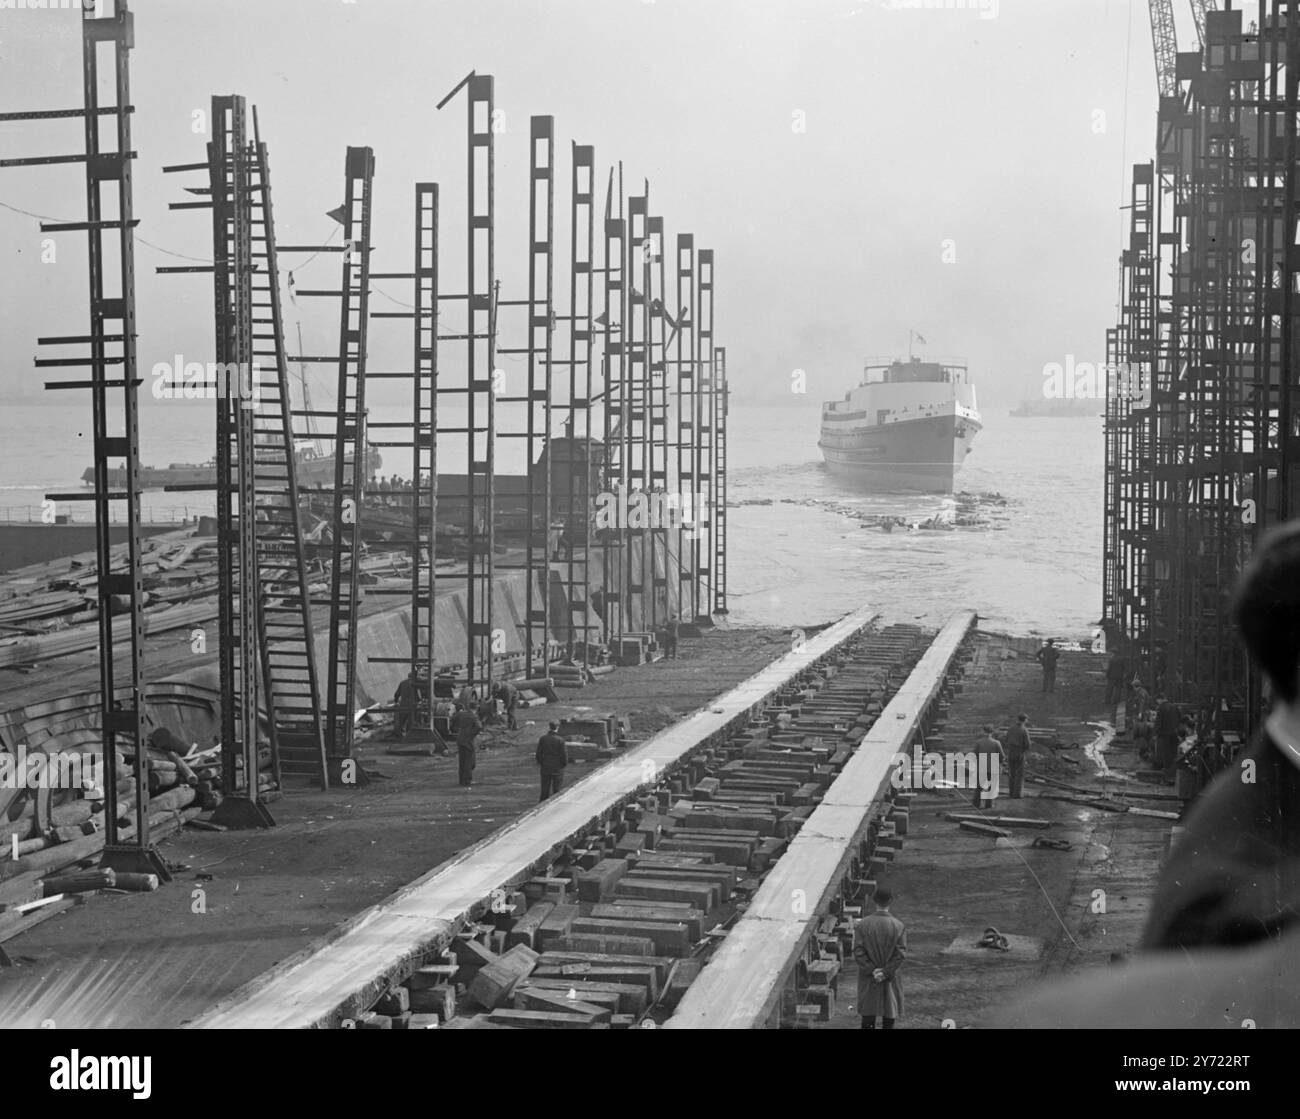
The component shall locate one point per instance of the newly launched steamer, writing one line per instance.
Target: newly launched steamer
(909, 425)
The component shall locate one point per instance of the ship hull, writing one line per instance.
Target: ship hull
(914, 455)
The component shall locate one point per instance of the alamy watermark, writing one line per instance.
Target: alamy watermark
(929, 769)
(650, 509)
(217, 380)
(1084, 380)
(38, 770)
(99, 7)
(988, 9)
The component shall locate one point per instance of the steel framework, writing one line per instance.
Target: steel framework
(1200, 437)
(109, 226)
(465, 406)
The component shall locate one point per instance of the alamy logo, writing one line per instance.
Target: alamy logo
(654, 509)
(928, 769)
(217, 380)
(38, 770)
(99, 7)
(97, 1074)
(1085, 381)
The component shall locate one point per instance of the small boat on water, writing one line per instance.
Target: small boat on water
(907, 426)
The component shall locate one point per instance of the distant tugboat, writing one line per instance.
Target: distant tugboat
(908, 426)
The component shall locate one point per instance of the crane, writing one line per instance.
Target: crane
(1164, 39)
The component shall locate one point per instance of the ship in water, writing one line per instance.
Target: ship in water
(908, 426)
(314, 469)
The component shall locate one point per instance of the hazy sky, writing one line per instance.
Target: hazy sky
(1001, 140)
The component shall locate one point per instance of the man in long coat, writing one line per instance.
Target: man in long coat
(879, 949)
(466, 725)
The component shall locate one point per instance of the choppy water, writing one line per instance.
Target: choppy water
(1037, 569)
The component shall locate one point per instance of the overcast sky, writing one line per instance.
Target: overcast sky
(833, 152)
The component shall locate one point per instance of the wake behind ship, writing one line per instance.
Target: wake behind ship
(908, 426)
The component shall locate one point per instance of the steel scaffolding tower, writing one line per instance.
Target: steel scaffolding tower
(613, 589)
(636, 409)
(721, 392)
(575, 497)
(466, 404)
(706, 400)
(351, 467)
(683, 364)
(1199, 469)
(266, 647)
(531, 537)
(112, 345)
(415, 435)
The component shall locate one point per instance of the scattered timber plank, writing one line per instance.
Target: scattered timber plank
(982, 829)
(998, 821)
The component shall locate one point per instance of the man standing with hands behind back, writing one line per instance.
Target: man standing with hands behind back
(879, 949)
(552, 757)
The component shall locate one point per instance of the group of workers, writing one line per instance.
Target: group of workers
(469, 714)
(1011, 750)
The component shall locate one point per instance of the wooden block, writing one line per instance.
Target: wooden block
(495, 981)
(580, 963)
(629, 998)
(402, 1021)
(374, 1022)
(706, 789)
(823, 973)
(756, 823)
(431, 975)
(554, 925)
(824, 999)
(545, 889)
(691, 917)
(439, 1000)
(668, 939)
(582, 992)
(648, 977)
(725, 851)
(470, 953)
(394, 1001)
(721, 877)
(682, 976)
(422, 1022)
(701, 894)
(532, 998)
(598, 883)
(497, 941)
(604, 944)
(525, 929)
(540, 1020)
(766, 853)
(630, 844)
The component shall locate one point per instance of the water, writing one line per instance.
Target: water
(1037, 569)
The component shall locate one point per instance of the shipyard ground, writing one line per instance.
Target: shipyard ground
(1062, 911)
(245, 900)
(157, 960)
